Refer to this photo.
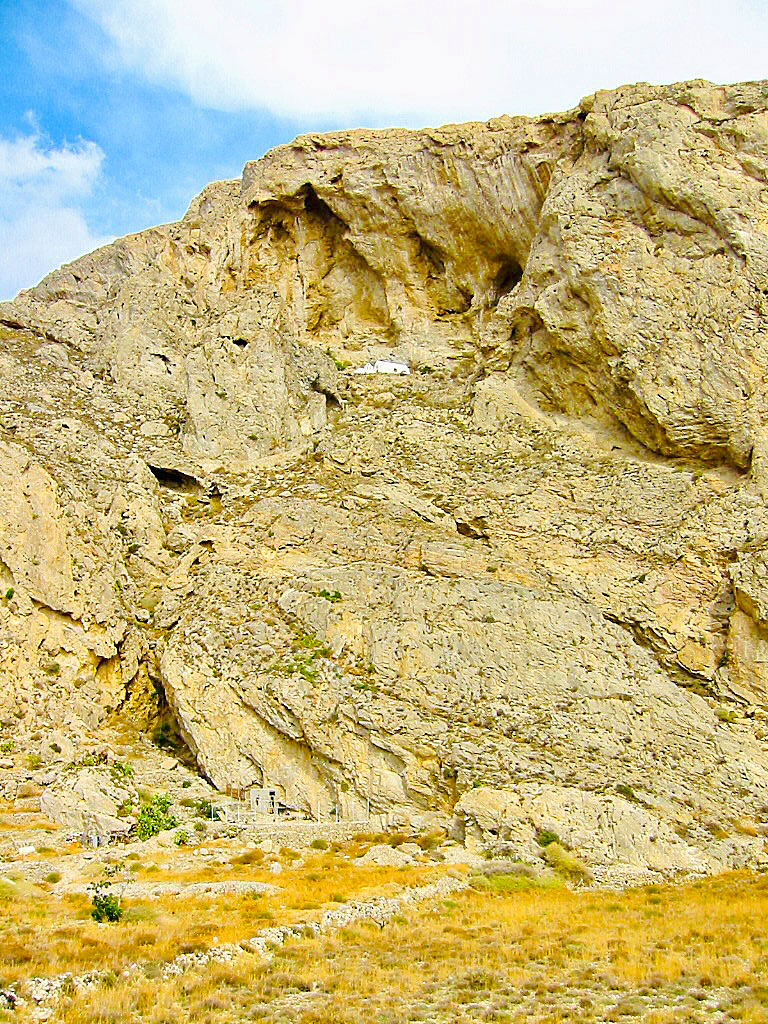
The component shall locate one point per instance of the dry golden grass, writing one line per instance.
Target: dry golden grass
(45, 935)
(660, 955)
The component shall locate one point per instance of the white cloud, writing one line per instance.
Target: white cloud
(426, 60)
(41, 224)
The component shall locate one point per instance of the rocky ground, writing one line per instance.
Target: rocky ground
(308, 921)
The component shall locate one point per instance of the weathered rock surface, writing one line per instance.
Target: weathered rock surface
(89, 800)
(533, 571)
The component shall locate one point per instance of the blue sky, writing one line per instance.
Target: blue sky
(115, 113)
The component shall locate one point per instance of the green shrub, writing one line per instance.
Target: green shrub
(181, 838)
(154, 817)
(318, 844)
(206, 810)
(626, 791)
(7, 747)
(545, 836)
(105, 906)
(9, 593)
(53, 877)
(724, 715)
(122, 770)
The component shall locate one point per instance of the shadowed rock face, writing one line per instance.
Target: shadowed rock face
(526, 581)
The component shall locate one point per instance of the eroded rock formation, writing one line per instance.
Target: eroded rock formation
(527, 581)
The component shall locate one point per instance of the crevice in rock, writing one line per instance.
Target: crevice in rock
(164, 360)
(476, 528)
(431, 256)
(165, 728)
(36, 332)
(331, 397)
(665, 656)
(7, 581)
(175, 480)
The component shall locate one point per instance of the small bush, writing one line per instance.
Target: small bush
(206, 810)
(545, 837)
(53, 877)
(105, 906)
(249, 857)
(566, 864)
(431, 840)
(724, 715)
(318, 844)
(154, 817)
(181, 838)
(511, 883)
(7, 747)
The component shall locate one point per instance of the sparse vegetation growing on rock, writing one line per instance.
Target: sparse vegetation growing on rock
(154, 817)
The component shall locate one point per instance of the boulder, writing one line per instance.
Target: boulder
(88, 801)
(382, 856)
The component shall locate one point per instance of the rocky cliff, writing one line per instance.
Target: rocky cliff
(524, 586)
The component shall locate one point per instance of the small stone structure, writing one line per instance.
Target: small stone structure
(263, 800)
(384, 366)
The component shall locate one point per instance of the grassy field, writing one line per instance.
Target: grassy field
(511, 952)
(45, 937)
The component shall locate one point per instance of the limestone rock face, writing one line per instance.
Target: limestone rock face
(88, 801)
(524, 586)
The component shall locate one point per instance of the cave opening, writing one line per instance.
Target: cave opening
(316, 206)
(175, 480)
(509, 274)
